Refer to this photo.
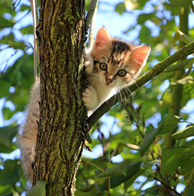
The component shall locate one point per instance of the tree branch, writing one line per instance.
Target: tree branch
(92, 8)
(168, 187)
(92, 24)
(157, 69)
(34, 16)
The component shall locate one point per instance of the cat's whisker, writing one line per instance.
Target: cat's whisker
(115, 95)
(127, 88)
(123, 100)
(136, 84)
(130, 93)
(124, 96)
(120, 96)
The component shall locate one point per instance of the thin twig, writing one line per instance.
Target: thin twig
(91, 11)
(156, 70)
(15, 4)
(7, 60)
(92, 25)
(168, 187)
(34, 15)
(192, 7)
(14, 187)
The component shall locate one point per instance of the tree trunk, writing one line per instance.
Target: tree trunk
(61, 35)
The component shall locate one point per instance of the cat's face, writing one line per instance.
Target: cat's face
(116, 62)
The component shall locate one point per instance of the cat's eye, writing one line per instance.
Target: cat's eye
(103, 66)
(122, 72)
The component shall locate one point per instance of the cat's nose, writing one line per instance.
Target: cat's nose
(108, 80)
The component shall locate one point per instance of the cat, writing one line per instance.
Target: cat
(115, 65)
(109, 64)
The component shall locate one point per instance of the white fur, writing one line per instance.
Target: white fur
(98, 92)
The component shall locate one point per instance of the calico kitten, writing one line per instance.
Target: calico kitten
(115, 64)
(111, 63)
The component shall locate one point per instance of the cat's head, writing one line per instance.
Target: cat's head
(117, 62)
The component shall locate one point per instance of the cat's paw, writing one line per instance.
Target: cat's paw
(90, 98)
(33, 153)
(89, 63)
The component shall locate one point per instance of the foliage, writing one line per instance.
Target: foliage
(133, 160)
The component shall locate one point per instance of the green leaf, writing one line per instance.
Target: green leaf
(7, 194)
(191, 191)
(144, 17)
(180, 2)
(150, 136)
(117, 169)
(4, 88)
(184, 133)
(6, 23)
(145, 33)
(188, 63)
(120, 8)
(153, 190)
(6, 7)
(186, 167)
(12, 74)
(164, 76)
(132, 169)
(173, 157)
(5, 149)
(170, 123)
(183, 81)
(10, 174)
(87, 4)
(10, 40)
(7, 113)
(95, 163)
(188, 93)
(5, 189)
(24, 7)
(180, 36)
(129, 182)
(7, 134)
(39, 189)
(27, 30)
(22, 69)
(120, 147)
(89, 190)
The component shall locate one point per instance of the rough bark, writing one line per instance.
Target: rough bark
(61, 35)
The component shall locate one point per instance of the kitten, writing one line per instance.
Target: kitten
(111, 63)
(115, 64)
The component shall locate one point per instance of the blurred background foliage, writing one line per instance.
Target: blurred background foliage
(129, 140)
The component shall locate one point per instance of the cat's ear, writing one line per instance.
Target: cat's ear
(103, 39)
(140, 54)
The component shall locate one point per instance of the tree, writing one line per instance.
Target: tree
(61, 34)
(146, 148)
